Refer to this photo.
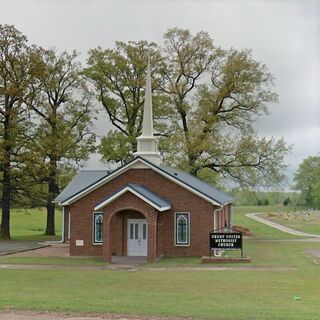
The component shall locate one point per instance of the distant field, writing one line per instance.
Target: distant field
(30, 224)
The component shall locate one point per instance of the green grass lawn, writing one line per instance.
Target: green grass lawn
(223, 295)
(30, 224)
(209, 294)
(62, 261)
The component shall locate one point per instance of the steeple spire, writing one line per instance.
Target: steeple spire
(147, 125)
(147, 144)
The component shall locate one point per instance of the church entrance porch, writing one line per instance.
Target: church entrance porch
(129, 234)
(130, 229)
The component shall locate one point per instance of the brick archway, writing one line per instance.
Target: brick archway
(129, 201)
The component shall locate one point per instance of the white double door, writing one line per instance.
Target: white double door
(137, 237)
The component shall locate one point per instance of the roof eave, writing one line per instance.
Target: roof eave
(129, 189)
(125, 168)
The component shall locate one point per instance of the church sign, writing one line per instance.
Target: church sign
(226, 240)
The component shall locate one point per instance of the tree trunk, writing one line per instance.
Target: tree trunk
(6, 192)
(6, 197)
(51, 228)
(53, 191)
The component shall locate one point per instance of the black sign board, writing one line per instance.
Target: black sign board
(226, 240)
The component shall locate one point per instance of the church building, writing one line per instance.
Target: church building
(143, 208)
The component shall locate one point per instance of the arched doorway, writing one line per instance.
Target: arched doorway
(129, 234)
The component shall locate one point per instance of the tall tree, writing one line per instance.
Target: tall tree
(14, 89)
(118, 76)
(62, 136)
(218, 94)
(307, 180)
(210, 99)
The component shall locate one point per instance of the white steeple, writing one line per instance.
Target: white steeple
(147, 147)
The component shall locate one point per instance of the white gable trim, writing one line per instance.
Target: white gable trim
(124, 190)
(126, 168)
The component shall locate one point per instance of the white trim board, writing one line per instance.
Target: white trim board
(129, 189)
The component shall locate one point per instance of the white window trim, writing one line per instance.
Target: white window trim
(94, 241)
(175, 230)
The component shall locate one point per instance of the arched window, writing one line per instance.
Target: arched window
(182, 229)
(98, 228)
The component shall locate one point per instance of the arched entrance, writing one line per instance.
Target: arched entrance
(129, 234)
(116, 215)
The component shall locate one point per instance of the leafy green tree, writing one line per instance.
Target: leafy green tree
(307, 179)
(315, 194)
(118, 77)
(206, 100)
(215, 129)
(62, 137)
(14, 118)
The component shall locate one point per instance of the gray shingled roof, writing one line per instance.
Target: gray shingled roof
(84, 179)
(144, 192)
(205, 188)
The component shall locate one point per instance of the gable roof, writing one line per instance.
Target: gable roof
(81, 181)
(82, 184)
(198, 184)
(140, 191)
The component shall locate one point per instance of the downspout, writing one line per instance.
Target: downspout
(214, 216)
(63, 214)
(216, 253)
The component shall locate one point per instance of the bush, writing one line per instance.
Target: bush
(286, 201)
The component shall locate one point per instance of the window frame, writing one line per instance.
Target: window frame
(94, 240)
(176, 243)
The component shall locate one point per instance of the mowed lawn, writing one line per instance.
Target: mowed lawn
(30, 224)
(249, 294)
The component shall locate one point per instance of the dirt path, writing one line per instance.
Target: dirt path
(143, 268)
(280, 227)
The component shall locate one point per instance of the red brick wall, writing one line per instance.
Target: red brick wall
(182, 200)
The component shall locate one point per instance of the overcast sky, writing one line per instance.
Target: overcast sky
(285, 35)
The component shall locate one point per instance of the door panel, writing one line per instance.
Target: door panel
(137, 237)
